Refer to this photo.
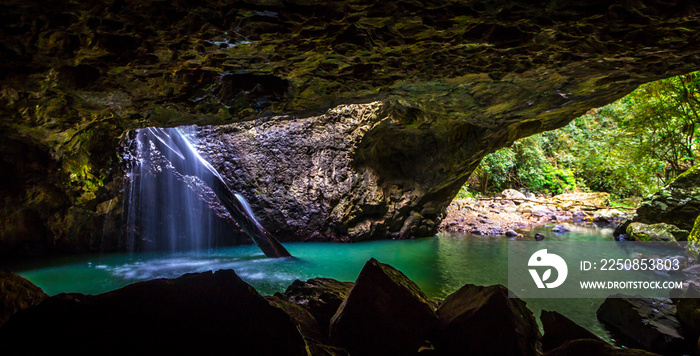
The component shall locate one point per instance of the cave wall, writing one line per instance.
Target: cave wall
(359, 171)
(471, 75)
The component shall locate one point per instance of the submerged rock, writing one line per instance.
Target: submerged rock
(17, 293)
(560, 229)
(478, 320)
(196, 313)
(649, 323)
(385, 313)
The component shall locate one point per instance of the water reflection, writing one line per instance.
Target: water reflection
(439, 265)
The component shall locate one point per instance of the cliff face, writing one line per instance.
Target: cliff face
(457, 78)
(356, 172)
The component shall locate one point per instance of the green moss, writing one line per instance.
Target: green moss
(693, 247)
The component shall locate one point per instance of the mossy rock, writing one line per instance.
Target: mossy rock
(678, 203)
(656, 232)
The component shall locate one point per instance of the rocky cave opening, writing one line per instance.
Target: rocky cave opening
(338, 121)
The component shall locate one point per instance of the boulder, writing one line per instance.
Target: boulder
(319, 296)
(588, 347)
(307, 324)
(649, 323)
(592, 199)
(200, 313)
(609, 217)
(385, 313)
(687, 305)
(17, 293)
(656, 232)
(511, 233)
(477, 320)
(621, 229)
(513, 194)
(678, 203)
(558, 329)
(560, 229)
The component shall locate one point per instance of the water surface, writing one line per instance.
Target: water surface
(439, 265)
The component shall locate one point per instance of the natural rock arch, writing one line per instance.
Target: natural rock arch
(463, 78)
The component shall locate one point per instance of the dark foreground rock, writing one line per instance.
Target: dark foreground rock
(308, 326)
(319, 296)
(589, 347)
(17, 293)
(385, 313)
(649, 323)
(478, 320)
(688, 311)
(196, 313)
(558, 329)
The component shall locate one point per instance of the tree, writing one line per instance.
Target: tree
(628, 148)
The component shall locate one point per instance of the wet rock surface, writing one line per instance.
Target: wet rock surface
(465, 78)
(649, 323)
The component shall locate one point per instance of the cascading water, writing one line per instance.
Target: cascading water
(163, 210)
(175, 200)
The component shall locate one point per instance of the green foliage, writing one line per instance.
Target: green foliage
(525, 164)
(629, 148)
(693, 247)
(464, 193)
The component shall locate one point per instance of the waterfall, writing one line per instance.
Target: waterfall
(163, 211)
(174, 199)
